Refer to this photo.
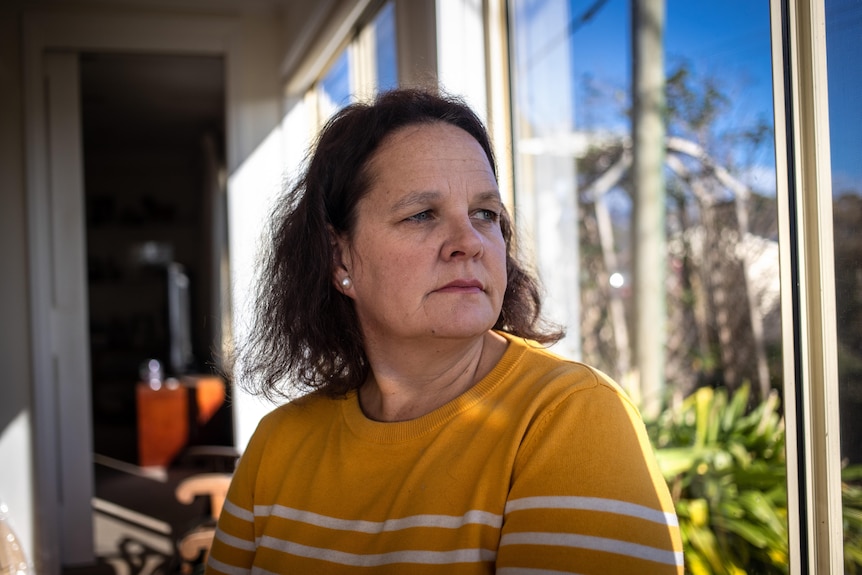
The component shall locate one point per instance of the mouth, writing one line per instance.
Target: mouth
(462, 286)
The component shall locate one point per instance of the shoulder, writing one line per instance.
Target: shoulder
(290, 423)
(306, 408)
(281, 436)
(538, 370)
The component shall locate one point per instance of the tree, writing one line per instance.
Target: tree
(720, 300)
(649, 243)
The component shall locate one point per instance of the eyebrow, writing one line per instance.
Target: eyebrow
(415, 198)
(420, 198)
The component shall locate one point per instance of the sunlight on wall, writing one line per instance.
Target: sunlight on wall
(16, 481)
(252, 189)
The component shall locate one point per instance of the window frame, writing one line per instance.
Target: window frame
(804, 192)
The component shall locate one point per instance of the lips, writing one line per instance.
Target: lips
(462, 286)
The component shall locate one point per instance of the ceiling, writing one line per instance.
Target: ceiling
(130, 99)
(141, 99)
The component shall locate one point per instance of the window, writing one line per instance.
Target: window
(608, 203)
(743, 190)
(334, 91)
(385, 58)
(367, 65)
(843, 28)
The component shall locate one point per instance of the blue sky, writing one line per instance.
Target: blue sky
(731, 40)
(843, 35)
(730, 37)
(727, 40)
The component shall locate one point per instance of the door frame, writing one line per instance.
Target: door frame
(60, 448)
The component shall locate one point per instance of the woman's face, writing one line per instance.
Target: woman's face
(426, 257)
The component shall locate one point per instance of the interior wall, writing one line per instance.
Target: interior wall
(252, 44)
(256, 106)
(256, 173)
(16, 480)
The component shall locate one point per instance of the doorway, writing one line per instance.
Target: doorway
(59, 293)
(152, 132)
(153, 151)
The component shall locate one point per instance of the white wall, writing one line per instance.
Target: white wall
(16, 478)
(255, 177)
(252, 42)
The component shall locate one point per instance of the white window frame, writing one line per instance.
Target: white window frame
(804, 192)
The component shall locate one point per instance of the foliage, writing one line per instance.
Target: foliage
(693, 103)
(724, 462)
(722, 313)
(725, 467)
(851, 494)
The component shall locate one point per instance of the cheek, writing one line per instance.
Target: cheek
(499, 255)
(386, 266)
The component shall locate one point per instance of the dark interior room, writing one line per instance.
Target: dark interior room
(153, 143)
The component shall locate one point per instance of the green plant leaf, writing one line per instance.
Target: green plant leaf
(674, 461)
(752, 533)
(736, 409)
(852, 473)
(726, 468)
(703, 402)
(705, 542)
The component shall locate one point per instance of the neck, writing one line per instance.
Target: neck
(409, 381)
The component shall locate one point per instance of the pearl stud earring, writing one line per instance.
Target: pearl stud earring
(346, 283)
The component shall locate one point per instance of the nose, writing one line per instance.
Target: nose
(462, 240)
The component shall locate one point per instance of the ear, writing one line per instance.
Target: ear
(341, 261)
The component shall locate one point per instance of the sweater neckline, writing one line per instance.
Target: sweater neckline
(399, 431)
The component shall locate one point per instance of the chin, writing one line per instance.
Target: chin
(462, 330)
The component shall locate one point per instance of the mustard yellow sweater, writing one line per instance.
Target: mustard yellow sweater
(542, 467)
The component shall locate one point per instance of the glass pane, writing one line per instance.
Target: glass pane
(385, 48)
(843, 30)
(577, 204)
(334, 88)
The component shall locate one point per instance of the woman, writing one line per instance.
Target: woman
(438, 436)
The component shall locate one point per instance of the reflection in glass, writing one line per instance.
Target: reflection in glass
(720, 437)
(385, 48)
(334, 88)
(843, 29)
(545, 201)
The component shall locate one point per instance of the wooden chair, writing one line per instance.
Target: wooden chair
(12, 559)
(193, 547)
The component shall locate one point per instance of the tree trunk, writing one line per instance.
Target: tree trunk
(649, 237)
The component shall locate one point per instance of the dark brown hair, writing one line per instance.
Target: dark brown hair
(305, 332)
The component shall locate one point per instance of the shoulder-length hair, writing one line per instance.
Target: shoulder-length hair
(305, 333)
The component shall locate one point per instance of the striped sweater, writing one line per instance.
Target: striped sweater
(542, 467)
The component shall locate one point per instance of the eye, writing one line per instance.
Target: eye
(421, 216)
(487, 215)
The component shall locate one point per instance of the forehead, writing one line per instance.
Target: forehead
(429, 150)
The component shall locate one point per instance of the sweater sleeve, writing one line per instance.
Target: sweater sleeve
(234, 546)
(587, 496)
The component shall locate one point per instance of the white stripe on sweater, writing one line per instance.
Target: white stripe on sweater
(594, 543)
(594, 504)
(378, 559)
(236, 542)
(475, 517)
(237, 511)
(529, 571)
(225, 568)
